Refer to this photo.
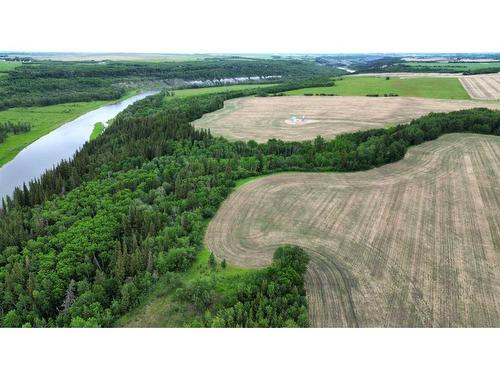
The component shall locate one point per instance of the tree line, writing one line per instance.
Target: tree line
(50, 82)
(83, 244)
(13, 128)
(211, 68)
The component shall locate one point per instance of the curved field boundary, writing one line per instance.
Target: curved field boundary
(411, 244)
(260, 119)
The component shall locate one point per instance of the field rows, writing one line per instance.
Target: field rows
(414, 243)
(482, 86)
(261, 119)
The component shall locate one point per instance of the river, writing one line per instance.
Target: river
(60, 144)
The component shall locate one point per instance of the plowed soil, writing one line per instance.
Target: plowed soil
(261, 119)
(415, 243)
(482, 86)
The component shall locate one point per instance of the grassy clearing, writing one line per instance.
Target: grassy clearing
(435, 88)
(43, 121)
(217, 89)
(162, 309)
(453, 67)
(97, 131)
(7, 66)
(243, 181)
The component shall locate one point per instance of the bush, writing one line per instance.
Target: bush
(199, 293)
(176, 260)
(291, 256)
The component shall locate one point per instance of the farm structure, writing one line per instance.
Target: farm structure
(260, 119)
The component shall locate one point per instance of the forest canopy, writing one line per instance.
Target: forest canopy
(44, 83)
(84, 244)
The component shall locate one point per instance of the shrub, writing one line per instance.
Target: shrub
(176, 260)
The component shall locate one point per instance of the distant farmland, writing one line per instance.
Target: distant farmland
(453, 66)
(7, 66)
(428, 87)
(263, 118)
(411, 244)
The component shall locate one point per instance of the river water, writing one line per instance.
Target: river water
(60, 144)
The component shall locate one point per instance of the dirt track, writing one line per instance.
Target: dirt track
(263, 118)
(414, 243)
(482, 86)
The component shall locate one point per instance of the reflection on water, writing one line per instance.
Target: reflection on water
(59, 144)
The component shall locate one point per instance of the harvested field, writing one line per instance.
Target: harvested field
(411, 244)
(482, 86)
(261, 119)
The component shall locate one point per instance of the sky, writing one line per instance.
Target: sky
(252, 26)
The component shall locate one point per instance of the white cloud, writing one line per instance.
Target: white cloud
(225, 26)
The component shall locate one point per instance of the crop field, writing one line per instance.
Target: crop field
(454, 67)
(261, 119)
(43, 121)
(408, 75)
(482, 86)
(7, 66)
(410, 244)
(423, 87)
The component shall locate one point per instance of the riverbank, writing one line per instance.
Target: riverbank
(59, 144)
(43, 121)
(98, 129)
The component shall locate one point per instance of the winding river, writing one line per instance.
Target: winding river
(60, 144)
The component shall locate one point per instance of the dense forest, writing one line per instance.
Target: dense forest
(83, 244)
(49, 82)
(430, 68)
(275, 298)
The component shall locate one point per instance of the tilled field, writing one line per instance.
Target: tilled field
(482, 86)
(410, 244)
(261, 119)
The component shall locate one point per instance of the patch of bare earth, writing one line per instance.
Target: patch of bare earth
(411, 244)
(482, 86)
(261, 119)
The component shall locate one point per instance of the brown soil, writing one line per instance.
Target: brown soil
(482, 86)
(413, 243)
(261, 119)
